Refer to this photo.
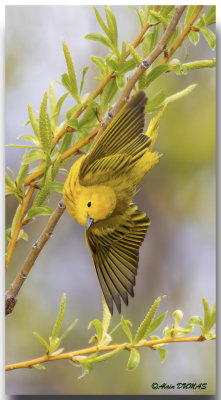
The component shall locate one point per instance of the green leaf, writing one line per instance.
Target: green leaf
(41, 340)
(209, 36)
(57, 187)
(125, 323)
(120, 81)
(157, 322)
(106, 316)
(31, 157)
(99, 328)
(15, 219)
(126, 66)
(159, 17)
(83, 78)
(179, 95)
(155, 73)
(58, 108)
(72, 111)
(59, 320)
(101, 65)
(189, 12)
(44, 132)
(101, 22)
(154, 37)
(41, 210)
(71, 73)
(73, 123)
(163, 353)
(99, 37)
(40, 367)
(9, 182)
(155, 101)
(33, 120)
(52, 105)
(23, 235)
(112, 25)
(30, 138)
(177, 316)
(194, 37)
(134, 360)
(108, 94)
(22, 173)
(210, 17)
(69, 329)
(143, 329)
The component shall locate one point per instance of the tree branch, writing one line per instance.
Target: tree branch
(127, 346)
(12, 292)
(18, 226)
(183, 35)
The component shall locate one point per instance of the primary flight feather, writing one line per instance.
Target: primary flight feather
(98, 193)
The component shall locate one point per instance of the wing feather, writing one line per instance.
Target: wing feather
(115, 255)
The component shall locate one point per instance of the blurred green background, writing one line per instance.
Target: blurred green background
(177, 258)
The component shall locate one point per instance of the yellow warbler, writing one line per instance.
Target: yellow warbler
(98, 193)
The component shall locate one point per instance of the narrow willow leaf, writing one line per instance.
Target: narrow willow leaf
(22, 173)
(177, 316)
(57, 352)
(40, 367)
(71, 72)
(108, 355)
(157, 322)
(9, 182)
(136, 57)
(59, 320)
(58, 108)
(41, 340)
(159, 17)
(125, 324)
(101, 65)
(155, 101)
(112, 25)
(23, 235)
(73, 123)
(123, 50)
(66, 142)
(163, 353)
(44, 132)
(89, 114)
(180, 94)
(194, 37)
(165, 10)
(30, 138)
(143, 329)
(134, 360)
(69, 329)
(213, 316)
(210, 17)
(189, 12)
(15, 219)
(101, 22)
(209, 36)
(99, 37)
(106, 319)
(21, 146)
(41, 210)
(112, 64)
(108, 94)
(154, 37)
(127, 66)
(72, 111)
(120, 81)
(57, 187)
(99, 328)
(208, 317)
(85, 69)
(155, 73)
(33, 120)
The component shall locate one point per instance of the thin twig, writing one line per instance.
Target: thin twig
(18, 226)
(127, 346)
(183, 35)
(12, 292)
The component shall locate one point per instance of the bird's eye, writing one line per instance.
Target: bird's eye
(89, 204)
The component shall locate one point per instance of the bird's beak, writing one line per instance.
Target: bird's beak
(89, 221)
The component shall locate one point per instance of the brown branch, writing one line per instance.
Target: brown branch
(127, 346)
(12, 292)
(183, 35)
(18, 227)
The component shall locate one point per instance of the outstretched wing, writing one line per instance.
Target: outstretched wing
(123, 131)
(115, 251)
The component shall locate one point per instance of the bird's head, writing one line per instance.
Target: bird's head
(99, 203)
